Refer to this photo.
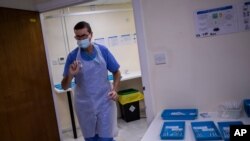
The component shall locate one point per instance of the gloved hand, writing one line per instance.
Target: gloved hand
(113, 95)
(74, 68)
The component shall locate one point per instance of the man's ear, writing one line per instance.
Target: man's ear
(91, 35)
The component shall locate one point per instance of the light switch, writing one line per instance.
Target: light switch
(160, 58)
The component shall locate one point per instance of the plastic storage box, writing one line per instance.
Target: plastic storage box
(205, 130)
(179, 114)
(230, 110)
(173, 130)
(225, 128)
(247, 106)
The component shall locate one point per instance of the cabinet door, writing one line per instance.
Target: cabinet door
(26, 105)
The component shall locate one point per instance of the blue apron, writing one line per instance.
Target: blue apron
(96, 112)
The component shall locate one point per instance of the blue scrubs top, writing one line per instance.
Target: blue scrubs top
(112, 64)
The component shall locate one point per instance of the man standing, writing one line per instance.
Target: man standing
(94, 97)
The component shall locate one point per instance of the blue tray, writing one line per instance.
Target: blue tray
(173, 130)
(59, 86)
(247, 106)
(110, 77)
(205, 130)
(225, 128)
(179, 114)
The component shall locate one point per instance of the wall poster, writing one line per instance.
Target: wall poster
(113, 41)
(244, 16)
(216, 21)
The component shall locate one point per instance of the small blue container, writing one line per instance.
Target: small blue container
(205, 130)
(173, 130)
(225, 128)
(110, 77)
(179, 114)
(59, 86)
(247, 106)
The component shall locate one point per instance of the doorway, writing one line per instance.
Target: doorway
(113, 26)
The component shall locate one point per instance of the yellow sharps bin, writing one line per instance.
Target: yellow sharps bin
(129, 104)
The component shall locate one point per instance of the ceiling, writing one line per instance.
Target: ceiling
(46, 5)
(101, 2)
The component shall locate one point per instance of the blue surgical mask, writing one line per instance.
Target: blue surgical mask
(83, 43)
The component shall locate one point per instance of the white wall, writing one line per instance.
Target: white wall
(200, 72)
(105, 25)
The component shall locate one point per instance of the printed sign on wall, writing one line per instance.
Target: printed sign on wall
(244, 16)
(100, 41)
(216, 21)
(113, 41)
(125, 39)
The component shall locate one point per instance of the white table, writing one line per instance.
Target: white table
(154, 130)
(130, 75)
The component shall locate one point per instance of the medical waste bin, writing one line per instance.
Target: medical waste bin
(129, 104)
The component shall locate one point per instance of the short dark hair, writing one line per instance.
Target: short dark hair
(83, 24)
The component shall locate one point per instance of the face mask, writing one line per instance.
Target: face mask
(83, 43)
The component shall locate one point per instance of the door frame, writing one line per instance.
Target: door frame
(51, 77)
(143, 57)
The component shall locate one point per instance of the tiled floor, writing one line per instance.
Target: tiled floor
(128, 131)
